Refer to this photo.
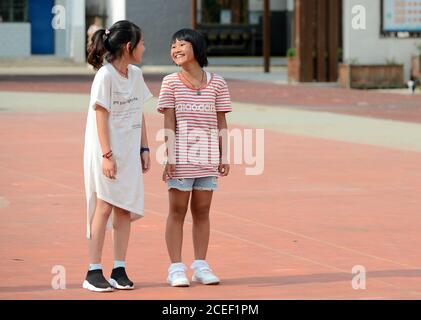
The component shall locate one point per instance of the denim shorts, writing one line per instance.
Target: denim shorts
(189, 184)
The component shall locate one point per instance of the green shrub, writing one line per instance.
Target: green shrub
(391, 61)
(291, 53)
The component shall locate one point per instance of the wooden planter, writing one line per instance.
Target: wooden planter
(416, 67)
(371, 76)
(293, 69)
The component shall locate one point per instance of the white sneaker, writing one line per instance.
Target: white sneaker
(177, 275)
(203, 273)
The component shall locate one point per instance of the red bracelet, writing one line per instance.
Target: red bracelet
(108, 155)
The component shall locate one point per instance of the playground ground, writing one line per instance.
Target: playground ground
(340, 190)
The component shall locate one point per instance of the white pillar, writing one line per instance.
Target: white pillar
(290, 5)
(78, 33)
(116, 11)
(346, 30)
(70, 41)
(62, 36)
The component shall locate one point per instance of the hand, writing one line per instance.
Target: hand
(146, 161)
(168, 172)
(224, 169)
(109, 168)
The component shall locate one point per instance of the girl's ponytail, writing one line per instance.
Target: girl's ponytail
(97, 49)
(108, 44)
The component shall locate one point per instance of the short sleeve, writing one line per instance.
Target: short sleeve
(101, 90)
(223, 99)
(166, 98)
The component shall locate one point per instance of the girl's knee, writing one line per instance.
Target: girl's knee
(178, 213)
(200, 212)
(121, 218)
(118, 224)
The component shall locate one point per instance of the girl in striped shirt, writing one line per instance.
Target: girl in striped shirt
(194, 103)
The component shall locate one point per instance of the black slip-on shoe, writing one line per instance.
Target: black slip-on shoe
(95, 281)
(120, 280)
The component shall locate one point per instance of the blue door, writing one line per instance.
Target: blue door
(42, 33)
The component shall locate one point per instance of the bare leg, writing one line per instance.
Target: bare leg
(121, 233)
(99, 224)
(200, 207)
(179, 202)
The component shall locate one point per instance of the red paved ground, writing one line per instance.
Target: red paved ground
(352, 102)
(294, 232)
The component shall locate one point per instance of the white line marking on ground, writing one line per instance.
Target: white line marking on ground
(4, 202)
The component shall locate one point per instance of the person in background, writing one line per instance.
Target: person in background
(97, 25)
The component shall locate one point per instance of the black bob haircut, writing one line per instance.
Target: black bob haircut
(198, 43)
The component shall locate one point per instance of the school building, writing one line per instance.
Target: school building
(231, 28)
(324, 33)
(58, 27)
(392, 32)
(51, 27)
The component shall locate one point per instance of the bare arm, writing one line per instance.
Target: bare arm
(109, 166)
(102, 128)
(144, 139)
(224, 167)
(169, 125)
(145, 156)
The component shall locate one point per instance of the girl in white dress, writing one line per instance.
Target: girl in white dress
(116, 149)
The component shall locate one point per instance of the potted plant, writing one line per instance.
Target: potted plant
(371, 76)
(292, 65)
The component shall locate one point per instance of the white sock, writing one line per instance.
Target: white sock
(199, 264)
(95, 266)
(177, 266)
(119, 263)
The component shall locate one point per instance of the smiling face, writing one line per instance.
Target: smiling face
(182, 52)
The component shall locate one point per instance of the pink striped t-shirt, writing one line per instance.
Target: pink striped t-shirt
(196, 136)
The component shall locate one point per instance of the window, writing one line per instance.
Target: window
(226, 12)
(400, 18)
(14, 11)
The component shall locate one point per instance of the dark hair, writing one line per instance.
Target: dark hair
(198, 43)
(108, 44)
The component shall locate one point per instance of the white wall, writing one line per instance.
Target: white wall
(15, 39)
(159, 20)
(368, 46)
